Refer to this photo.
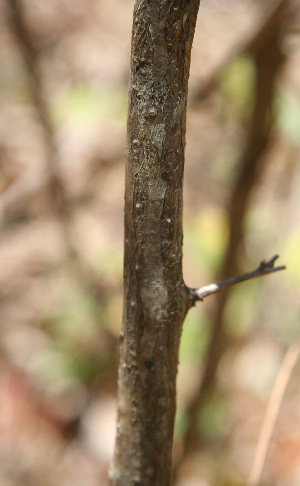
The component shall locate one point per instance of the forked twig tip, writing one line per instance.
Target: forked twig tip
(265, 267)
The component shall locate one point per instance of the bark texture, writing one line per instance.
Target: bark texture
(156, 299)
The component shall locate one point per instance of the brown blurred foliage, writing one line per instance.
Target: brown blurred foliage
(63, 86)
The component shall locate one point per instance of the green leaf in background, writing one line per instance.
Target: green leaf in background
(181, 423)
(195, 336)
(84, 103)
(214, 420)
(206, 238)
(110, 263)
(287, 107)
(241, 308)
(291, 255)
(223, 165)
(260, 224)
(74, 322)
(237, 86)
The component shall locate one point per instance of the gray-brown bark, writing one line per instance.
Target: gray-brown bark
(155, 297)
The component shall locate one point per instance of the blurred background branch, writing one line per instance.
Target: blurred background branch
(268, 60)
(60, 201)
(290, 359)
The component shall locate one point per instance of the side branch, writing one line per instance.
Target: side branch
(265, 267)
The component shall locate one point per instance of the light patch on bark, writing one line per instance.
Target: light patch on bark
(156, 190)
(153, 296)
(158, 134)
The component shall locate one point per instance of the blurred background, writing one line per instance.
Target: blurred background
(64, 68)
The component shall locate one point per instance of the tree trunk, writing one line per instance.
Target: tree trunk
(156, 299)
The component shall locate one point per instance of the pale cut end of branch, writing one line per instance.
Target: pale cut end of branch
(265, 267)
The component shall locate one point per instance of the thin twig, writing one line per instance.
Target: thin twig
(290, 359)
(264, 268)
